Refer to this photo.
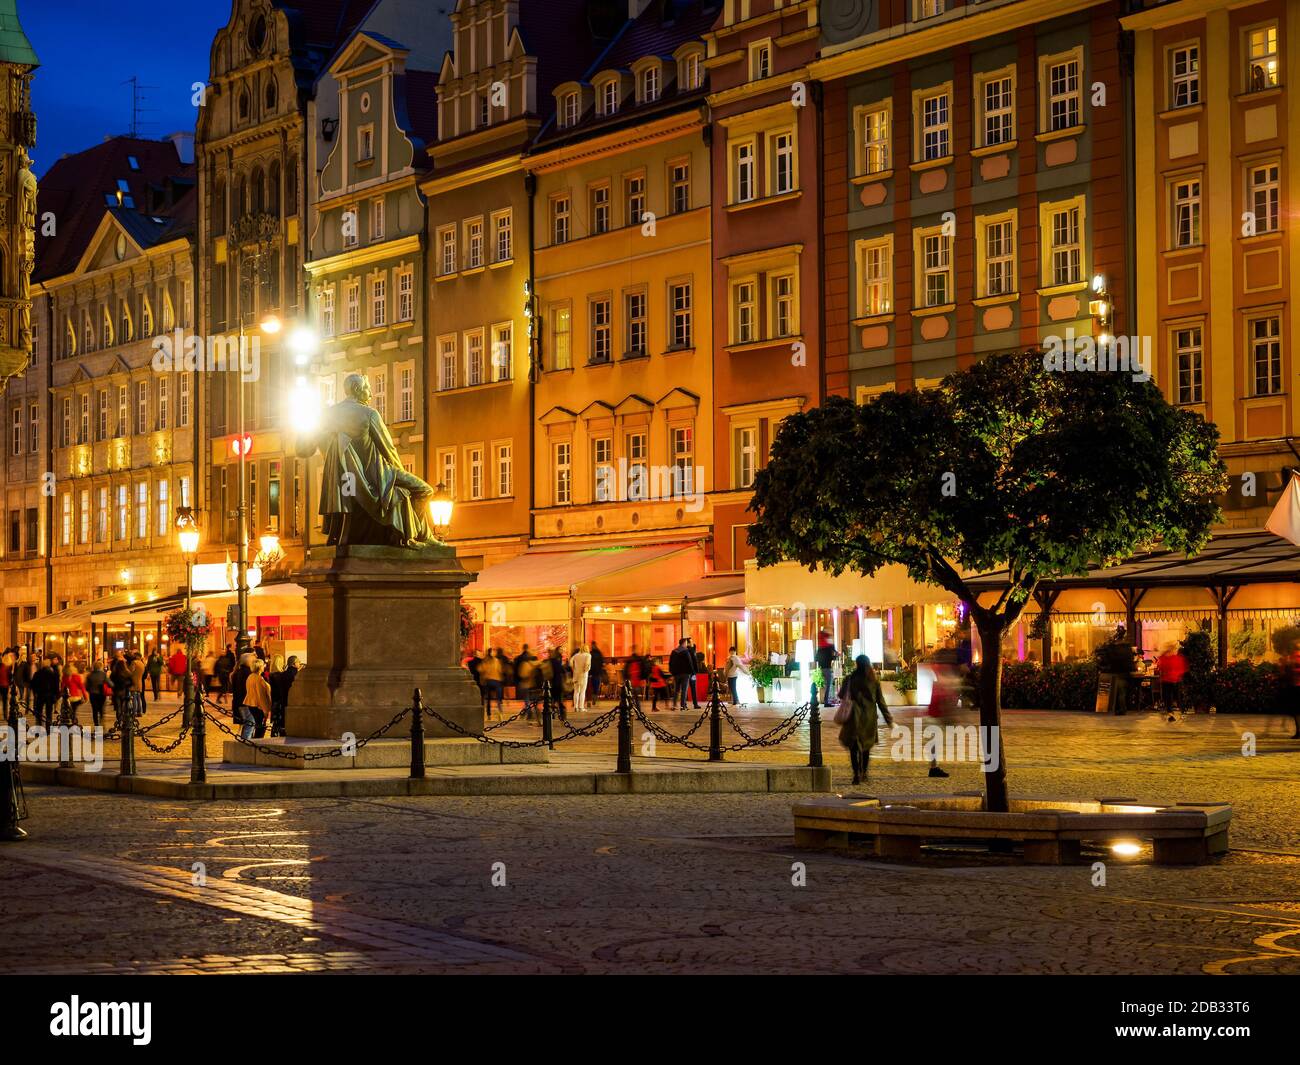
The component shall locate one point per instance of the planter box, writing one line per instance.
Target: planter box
(895, 697)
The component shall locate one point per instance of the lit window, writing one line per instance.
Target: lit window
(1185, 76)
(1262, 71)
(874, 133)
(999, 257)
(1263, 184)
(563, 473)
(1188, 361)
(875, 277)
(378, 301)
(352, 307)
(183, 401)
(405, 294)
(327, 311)
(503, 358)
(562, 338)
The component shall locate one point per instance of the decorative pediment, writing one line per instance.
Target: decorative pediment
(678, 398)
(596, 409)
(558, 416)
(365, 50)
(634, 404)
(110, 245)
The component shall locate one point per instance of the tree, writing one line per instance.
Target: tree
(1009, 465)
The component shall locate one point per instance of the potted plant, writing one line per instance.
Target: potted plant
(763, 674)
(1116, 659)
(905, 682)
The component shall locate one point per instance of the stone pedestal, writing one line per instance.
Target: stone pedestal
(381, 622)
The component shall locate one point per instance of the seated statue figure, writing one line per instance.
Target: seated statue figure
(366, 496)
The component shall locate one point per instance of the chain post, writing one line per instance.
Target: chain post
(715, 720)
(127, 766)
(546, 717)
(198, 730)
(814, 731)
(417, 737)
(65, 741)
(624, 730)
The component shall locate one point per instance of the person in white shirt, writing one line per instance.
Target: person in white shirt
(735, 667)
(580, 666)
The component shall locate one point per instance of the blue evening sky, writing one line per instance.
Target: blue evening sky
(88, 48)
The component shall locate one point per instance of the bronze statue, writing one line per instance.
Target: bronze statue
(367, 497)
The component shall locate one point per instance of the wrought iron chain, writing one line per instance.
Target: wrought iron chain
(290, 755)
(788, 726)
(593, 728)
(163, 750)
(661, 733)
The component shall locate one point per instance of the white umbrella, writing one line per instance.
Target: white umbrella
(1285, 519)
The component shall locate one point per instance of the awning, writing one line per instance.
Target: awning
(1230, 558)
(788, 583)
(714, 598)
(81, 616)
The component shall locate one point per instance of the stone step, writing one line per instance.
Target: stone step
(377, 754)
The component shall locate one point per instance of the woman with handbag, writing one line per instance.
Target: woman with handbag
(860, 696)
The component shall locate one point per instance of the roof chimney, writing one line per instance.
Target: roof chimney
(184, 143)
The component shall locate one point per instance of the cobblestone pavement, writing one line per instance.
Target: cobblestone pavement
(694, 883)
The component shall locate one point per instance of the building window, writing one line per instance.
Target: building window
(503, 235)
(474, 466)
(406, 394)
(379, 300)
(123, 407)
(65, 526)
(936, 269)
(352, 306)
(66, 432)
(609, 97)
(379, 393)
(634, 314)
(1263, 184)
(873, 139)
(377, 219)
(934, 126)
(563, 473)
(600, 208)
(365, 144)
(473, 244)
(683, 461)
(83, 518)
(996, 107)
(782, 298)
(559, 219)
(101, 516)
(746, 456)
(648, 87)
(141, 510)
(780, 150)
(327, 311)
(351, 224)
(83, 429)
(875, 277)
(760, 61)
(183, 401)
(1185, 76)
(164, 516)
(503, 357)
(638, 470)
(680, 327)
(602, 468)
(405, 294)
(602, 345)
(484, 110)
(447, 470)
(1186, 212)
(163, 396)
(101, 427)
(634, 199)
(1063, 230)
(446, 250)
(690, 73)
(124, 325)
(16, 422)
(744, 302)
(1061, 93)
(679, 183)
(1266, 355)
(1262, 70)
(999, 256)
(562, 338)
(569, 112)
(743, 186)
(505, 470)
(474, 358)
(446, 363)
(33, 436)
(923, 9)
(1187, 360)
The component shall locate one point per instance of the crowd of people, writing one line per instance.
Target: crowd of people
(586, 675)
(258, 687)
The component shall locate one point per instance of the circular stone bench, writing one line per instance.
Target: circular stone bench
(1050, 830)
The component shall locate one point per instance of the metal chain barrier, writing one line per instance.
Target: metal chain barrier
(290, 755)
(510, 720)
(593, 728)
(662, 734)
(773, 737)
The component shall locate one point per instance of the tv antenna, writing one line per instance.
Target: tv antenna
(137, 104)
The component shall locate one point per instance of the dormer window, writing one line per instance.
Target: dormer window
(569, 110)
(690, 72)
(760, 61)
(609, 97)
(648, 85)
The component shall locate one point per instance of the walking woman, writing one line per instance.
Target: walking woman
(860, 696)
(97, 689)
(74, 691)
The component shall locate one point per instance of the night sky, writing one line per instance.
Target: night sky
(88, 48)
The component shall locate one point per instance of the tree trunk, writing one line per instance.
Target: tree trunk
(990, 690)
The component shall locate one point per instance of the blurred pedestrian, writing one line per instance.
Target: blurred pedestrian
(97, 690)
(860, 698)
(491, 674)
(154, 668)
(735, 667)
(580, 664)
(1171, 667)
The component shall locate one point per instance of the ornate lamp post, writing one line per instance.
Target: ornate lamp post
(187, 533)
(440, 508)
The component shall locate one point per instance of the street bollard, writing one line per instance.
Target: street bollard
(127, 766)
(417, 737)
(546, 717)
(814, 732)
(198, 732)
(715, 721)
(624, 731)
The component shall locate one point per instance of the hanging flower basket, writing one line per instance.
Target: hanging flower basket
(189, 627)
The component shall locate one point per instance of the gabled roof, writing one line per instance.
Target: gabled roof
(75, 188)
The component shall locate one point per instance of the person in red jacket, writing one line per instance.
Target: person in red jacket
(1171, 667)
(73, 688)
(658, 686)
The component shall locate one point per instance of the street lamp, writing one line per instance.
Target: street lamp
(187, 533)
(440, 507)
